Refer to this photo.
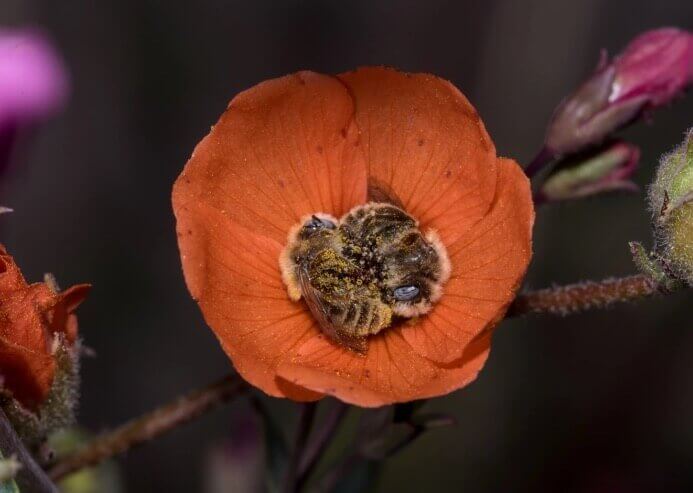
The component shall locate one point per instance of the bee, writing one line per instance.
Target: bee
(362, 272)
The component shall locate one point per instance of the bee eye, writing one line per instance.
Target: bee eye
(406, 293)
(316, 223)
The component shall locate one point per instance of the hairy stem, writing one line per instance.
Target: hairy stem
(305, 423)
(573, 298)
(562, 300)
(150, 425)
(30, 478)
(317, 447)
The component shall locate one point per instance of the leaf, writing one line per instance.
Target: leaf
(405, 410)
(361, 478)
(276, 449)
(391, 440)
(387, 431)
(432, 420)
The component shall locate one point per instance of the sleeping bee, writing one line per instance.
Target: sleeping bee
(360, 273)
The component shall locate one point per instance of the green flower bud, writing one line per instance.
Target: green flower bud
(608, 169)
(671, 201)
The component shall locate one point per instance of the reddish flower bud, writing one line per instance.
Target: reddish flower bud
(653, 69)
(34, 320)
(608, 169)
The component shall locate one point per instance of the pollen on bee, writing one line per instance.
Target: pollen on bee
(288, 264)
(360, 274)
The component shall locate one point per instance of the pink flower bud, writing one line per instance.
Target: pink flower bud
(657, 64)
(653, 69)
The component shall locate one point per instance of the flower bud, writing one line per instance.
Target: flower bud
(671, 201)
(608, 169)
(39, 351)
(653, 69)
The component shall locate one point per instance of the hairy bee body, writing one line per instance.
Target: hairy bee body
(360, 272)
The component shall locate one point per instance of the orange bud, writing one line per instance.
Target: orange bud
(32, 317)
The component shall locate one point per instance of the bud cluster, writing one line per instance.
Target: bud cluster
(653, 69)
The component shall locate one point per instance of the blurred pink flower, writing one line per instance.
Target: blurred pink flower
(652, 70)
(33, 83)
(33, 79)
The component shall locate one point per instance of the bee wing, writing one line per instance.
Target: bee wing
(321, 308)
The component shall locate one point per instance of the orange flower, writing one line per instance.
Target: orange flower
(32, 317)
(308, 143)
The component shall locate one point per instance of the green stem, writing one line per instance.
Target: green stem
(305, 423)
(316, 448)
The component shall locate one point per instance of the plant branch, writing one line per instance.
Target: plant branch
(543, 157)
(150, 425)
(305, 423)
(561, 300)
(573, 298)
(30, 478)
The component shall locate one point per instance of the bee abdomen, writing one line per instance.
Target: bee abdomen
(367, 318)
(361, 319)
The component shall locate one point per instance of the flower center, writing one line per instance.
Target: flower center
(362, 272)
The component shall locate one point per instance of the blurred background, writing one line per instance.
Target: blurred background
(599, 402)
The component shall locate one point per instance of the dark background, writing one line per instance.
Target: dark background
(593, 403)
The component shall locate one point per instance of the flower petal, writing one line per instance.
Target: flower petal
(283, 149)
(389, 372)
(233, 274)
(489, 260)
(425, 143)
